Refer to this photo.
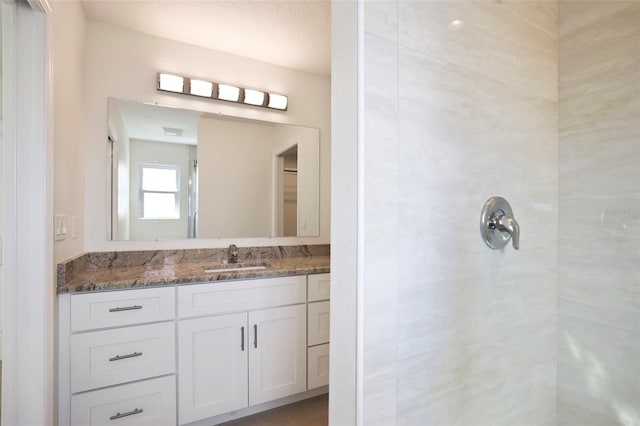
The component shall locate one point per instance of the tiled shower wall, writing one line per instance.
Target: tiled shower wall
(457, 333)
(599, 280)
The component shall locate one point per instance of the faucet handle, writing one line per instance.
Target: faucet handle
(510, 225)
(232, 253)
(497, 224)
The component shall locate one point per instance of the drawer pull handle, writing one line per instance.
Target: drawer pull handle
(242, 338)
(255, 336)
(127, 414)
(119, 357)
(126, 308)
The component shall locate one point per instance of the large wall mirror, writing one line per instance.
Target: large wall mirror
(177, 174)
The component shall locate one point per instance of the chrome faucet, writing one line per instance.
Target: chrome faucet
(497, 224)
(504, 223)
(232, 254)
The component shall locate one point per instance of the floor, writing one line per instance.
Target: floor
(310, 412)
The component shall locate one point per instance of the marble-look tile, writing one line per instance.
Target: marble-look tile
(602, 116)
(612, 38)
(495, 41)
(476, 327)
(599, 275)
(381, 18)
(440, 314)
(498, 380)
(381, 229)
(575, 15)
(449, 147)
(599, 374)
(380, 397)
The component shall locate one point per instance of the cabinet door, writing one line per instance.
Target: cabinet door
(318, 326)
(318, 370)
(278, 353)
(212, 366)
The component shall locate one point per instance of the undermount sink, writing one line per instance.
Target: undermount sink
(235, 267)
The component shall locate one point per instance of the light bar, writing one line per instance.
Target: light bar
(171, 83)
(201, 88)
(223, 92)
(228, 93)
(277, 101)
(254, 97)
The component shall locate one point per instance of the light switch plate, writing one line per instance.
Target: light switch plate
(74, 227)
(59, 227)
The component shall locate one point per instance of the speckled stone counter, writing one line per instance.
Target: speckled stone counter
(135, 269)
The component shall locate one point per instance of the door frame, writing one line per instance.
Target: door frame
(276, 182)
(347, 210)
(28, 309)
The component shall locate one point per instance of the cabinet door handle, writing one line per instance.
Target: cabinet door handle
(255, 336)
(242, 338)
(127, 414)
(119, 357)
(126, 308)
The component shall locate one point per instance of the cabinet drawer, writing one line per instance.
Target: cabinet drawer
(235, 296)
(319, 287)
(118, 308)
(318, 323)
(103, 358)
(147, 403)
(318, 367)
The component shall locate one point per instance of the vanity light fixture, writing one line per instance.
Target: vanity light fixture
(223, 92)
(254, 97)
(171, 83)
(200, 88)
(277, 101)
(228, 93)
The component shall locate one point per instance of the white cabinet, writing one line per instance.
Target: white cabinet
(146, 403)
(97, 366)
(236, 347)
(109, 357)
(234, 296)
(318, 370)
(319, 323)
(124, 307)
(212, 365)
(319, 289)
(278, 356)
(228, 362)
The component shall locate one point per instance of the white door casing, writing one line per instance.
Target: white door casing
(29, 291)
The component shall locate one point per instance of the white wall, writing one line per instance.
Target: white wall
(234, 173)
(452, 331)
(123, 64)
(149, 152)
(598, 290)
(69, 112)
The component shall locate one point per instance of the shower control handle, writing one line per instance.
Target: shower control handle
(504, 223)
(498, 225)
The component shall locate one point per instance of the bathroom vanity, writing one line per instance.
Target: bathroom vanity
(191, 347)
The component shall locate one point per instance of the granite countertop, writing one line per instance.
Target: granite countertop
(126, 270)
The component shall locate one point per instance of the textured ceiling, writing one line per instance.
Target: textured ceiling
(293, 34)
(145, 122)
